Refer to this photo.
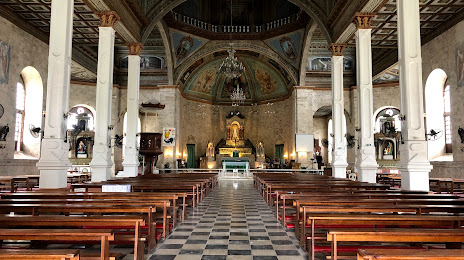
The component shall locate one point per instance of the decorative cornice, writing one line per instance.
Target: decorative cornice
(363, 20)
(108, 19)
(337, 49)
(135, 48)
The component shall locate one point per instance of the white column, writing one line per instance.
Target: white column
(339, 162)
(54, 163)
(365, 160)
(131, 161)
(101, 163)
(414, 165)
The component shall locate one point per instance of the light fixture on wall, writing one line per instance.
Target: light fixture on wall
(231, 67)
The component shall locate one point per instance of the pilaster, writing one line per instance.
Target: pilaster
(414, 165)
(339, 162)
(54, 163)
(131, 162)
(102, 163)
(366, 163)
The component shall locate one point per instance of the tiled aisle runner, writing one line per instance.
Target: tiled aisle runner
(233, 222)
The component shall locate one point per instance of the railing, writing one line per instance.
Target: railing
(235, 28)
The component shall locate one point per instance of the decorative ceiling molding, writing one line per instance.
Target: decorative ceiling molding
(163, 29)
(214, 46)
(349, 31)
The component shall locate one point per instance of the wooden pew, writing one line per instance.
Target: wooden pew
(394, 236)
(30, 254)
(106, 222)
(36, 209)
(410, 254)
(102, 195)
(384, 209)
(156, 203)
(329, 221)
(102, 235)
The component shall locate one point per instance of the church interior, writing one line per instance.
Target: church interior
(237, 123)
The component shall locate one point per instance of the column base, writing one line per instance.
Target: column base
(367, 174)
(414, 166)
(339, 171)
(53, 164)
(101, 172)
(130, 170)
(53, 177)
(415, 181)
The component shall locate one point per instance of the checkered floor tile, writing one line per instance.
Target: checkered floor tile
(233, 222)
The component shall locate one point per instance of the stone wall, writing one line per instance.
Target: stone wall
(25, 50)
(271, 123)
(440, 53)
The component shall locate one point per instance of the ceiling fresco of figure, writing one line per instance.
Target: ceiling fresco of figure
(288, 46)
(184, 45)
(264, 79)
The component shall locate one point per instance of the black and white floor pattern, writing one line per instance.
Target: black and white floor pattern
(233, 222)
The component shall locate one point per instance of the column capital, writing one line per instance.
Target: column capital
(363, 20)
(337, 49)
(135, 48)
(108, 19)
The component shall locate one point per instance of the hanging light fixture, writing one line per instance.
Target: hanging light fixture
(231, 67)
(237, 96)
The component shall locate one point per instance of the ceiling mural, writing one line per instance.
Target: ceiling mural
(288, 46)
(184, 45)
(264, 79)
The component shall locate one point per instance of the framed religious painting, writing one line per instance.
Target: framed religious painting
(460, 65)
(4, 61)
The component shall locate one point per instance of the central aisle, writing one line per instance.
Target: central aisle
(233, 222)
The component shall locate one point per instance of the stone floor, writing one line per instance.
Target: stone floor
(233, 222)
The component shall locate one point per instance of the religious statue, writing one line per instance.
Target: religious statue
(460, 132)
(388, 149)
(210, 150)
(260, 150)
(4, 132)
(81, 149)
(235, 133)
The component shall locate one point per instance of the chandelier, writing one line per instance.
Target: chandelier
(231, 67)
(237, 96)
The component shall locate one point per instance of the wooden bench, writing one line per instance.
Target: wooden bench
(102, 235)
(454, 236)
(410, 254)
(36, 209)
(380, 221)
(31, 254)
(105, 222)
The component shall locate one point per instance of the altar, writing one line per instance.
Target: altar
(235, 167)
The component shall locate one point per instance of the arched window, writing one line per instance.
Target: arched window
(446, 115)
(81, 112)
(437, 107)
(20, 106)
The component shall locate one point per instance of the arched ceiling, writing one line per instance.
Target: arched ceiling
(264, 79)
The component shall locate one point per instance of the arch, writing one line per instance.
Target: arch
(310, 28)
(163, 29)
(75, 110)
(163, 7)
(376, 121)
(434, 107)
(33, 115)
